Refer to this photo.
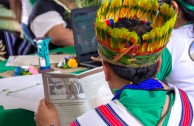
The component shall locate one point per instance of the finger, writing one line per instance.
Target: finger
(42, 102)
(42, 105)
(93, 57)
(96, 59)
(49, 105)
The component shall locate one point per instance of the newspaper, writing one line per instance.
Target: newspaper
(73, 95)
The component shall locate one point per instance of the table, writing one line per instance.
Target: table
(22, 117)
(7, 71)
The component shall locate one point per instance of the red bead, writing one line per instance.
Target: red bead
(120, 19)
(107, 22)
(143, 21)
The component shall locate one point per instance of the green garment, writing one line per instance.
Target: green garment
(16, 117)
(146, 106)
(33, 2)
(1, 108)
(166, 66)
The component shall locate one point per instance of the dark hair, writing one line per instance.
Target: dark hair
(187, 14)
(136, 75)
(132, 25)
(164, 1)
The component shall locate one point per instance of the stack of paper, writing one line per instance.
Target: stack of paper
(21, 92)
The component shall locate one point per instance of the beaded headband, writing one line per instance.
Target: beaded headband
(126, 48)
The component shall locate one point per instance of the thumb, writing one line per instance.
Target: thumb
(50, 105)
(42, 102)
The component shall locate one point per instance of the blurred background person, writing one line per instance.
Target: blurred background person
(27, 6)
(50, 18)
(11, 42)
(177, 66)
(22, 9)
(8, 20)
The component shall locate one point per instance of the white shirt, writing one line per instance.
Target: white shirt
(182, 74)
(26, 10)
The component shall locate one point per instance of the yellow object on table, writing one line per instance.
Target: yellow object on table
(22, 117)
(7, 71)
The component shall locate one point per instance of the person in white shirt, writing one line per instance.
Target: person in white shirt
(177, 66)
(51, 18)
(27, 6)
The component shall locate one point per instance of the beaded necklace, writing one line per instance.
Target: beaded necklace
(150, 84)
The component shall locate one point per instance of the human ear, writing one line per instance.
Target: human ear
(159, 65)
(106, 70)
(175, 6)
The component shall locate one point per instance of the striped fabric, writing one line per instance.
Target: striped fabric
(109, 116)
(187, 110)
(75, 123)
(15, 45)
(112, 114)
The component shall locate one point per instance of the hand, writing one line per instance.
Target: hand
(99, 59)
(46, 114)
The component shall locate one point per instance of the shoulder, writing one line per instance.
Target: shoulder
(109, 114)
(88, 118)
(42, 24)
(181, 35)
(182, 109)
(44, 6)
(175, 38)
(179, 42)
(184, 99)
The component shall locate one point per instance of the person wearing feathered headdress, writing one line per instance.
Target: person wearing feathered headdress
(131, 36)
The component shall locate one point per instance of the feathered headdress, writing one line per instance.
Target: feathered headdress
(124, 47)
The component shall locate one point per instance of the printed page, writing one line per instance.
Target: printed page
(67, 94)
(70, 109)
(95, 87)
(21, 92)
